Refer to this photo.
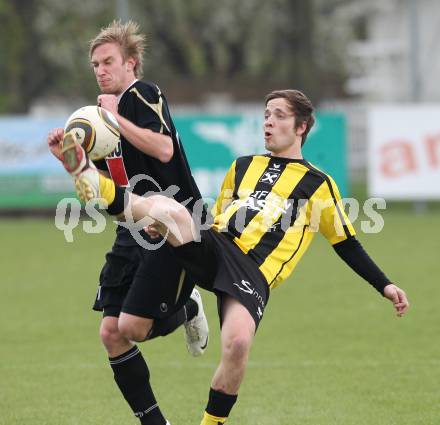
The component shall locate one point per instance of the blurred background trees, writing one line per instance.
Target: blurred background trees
(43, 47)
(197, 47)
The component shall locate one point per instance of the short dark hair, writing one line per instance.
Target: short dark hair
(299, 104)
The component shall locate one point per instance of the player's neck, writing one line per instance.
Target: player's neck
(292, 152)
(129, 83)
(126, 86)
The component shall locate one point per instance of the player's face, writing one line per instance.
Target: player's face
(279, 128)
(113, 74)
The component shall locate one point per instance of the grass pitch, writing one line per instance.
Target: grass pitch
(329, 351)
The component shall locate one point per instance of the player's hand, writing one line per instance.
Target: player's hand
(108, 102)
(398, 297)
(54, 139)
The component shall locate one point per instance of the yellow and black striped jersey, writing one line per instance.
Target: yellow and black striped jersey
(272, 207)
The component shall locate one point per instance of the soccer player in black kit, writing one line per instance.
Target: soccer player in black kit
(143, 293)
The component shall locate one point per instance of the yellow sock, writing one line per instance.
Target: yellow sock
(107, 189)
(212, 420)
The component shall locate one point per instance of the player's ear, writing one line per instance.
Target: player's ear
(130, 64)
(300, 129)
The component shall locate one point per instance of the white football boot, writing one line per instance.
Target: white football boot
(196, 329)
(80, 167)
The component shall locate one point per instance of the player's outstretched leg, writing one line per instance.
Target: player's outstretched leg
(196, 329)
(171, 218)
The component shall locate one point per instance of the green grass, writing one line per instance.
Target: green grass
(329, 351)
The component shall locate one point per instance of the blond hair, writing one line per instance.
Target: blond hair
(127, 36)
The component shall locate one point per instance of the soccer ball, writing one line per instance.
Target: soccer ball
(96, 129)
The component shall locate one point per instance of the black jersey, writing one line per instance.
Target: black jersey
(144, 105)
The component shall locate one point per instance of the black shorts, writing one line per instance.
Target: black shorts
(142, 282)
(219, 266)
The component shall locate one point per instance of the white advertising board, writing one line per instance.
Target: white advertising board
(404, 152)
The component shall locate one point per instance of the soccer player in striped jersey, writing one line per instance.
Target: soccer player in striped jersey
(269, 209)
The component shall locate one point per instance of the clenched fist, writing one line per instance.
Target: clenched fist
(54, 139)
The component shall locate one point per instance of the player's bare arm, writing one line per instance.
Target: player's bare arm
(159, 146)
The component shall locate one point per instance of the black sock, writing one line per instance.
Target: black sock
(220, 404)
(162, 327)
(133, 378)
(118, 205)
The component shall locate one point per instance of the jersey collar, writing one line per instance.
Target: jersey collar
(122, 94)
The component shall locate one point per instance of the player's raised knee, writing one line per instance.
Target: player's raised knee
(167, 210)
(181, 216)
(158, 199)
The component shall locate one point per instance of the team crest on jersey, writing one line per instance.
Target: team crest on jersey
(270, 177)
(272, 174)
